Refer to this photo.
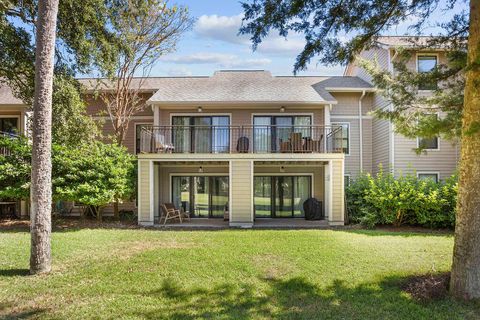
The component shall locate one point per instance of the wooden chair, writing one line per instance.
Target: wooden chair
(170, 213)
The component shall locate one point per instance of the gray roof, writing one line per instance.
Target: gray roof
(251, 87)
(7, 97)
(405, 41)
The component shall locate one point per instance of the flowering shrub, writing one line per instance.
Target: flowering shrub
(406, 200)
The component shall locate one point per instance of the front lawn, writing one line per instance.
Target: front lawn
(231, 274)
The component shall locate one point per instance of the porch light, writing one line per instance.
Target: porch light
(282, 109)
(200, 169)
(199, 109)
(282, 169)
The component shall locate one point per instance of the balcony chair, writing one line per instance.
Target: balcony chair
(161, 145)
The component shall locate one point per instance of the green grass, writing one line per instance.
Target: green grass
(232, 274)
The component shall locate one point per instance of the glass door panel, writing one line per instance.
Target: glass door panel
(181, 134)
(181, 193)
(283, 196)
(201, 199)
(302, 191)
(202, 134)
(262, 134)
(283, 130)
(219, 196)
(9, 125)
(221, 134)
(263, 197)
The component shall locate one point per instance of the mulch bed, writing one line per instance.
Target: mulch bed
(427, 287)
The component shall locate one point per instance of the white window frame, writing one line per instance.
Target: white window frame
(437, 173)
(426, 54)
(19, 125)
(333, 123)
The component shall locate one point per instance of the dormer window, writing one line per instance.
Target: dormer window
(425, 64)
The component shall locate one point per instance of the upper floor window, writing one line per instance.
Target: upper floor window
(425, 64)
(9, 125)
(429, 143)
(344, 137)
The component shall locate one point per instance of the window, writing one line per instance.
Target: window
(346, 181)
(9, 125)
(201, 134)
(428, 143)
(138, 135)
(427, 175)
(343, 140)
(426, 64)
(271, 131)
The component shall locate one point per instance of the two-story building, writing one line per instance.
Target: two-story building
(251, 146)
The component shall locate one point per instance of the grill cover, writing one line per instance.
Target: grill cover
(313, 209)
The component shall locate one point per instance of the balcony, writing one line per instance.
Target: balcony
(241, 139)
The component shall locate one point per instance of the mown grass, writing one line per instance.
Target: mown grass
(231, 274)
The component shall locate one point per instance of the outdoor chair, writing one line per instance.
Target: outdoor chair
(161, 145)
(171, 213)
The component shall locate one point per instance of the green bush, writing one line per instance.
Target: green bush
(406, 200)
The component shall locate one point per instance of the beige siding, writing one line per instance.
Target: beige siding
(348, 104)
(338, 193)
(241, 192)
(243, 116)
(144, 200)
(375, 53)
(443, 160)
(381, 138)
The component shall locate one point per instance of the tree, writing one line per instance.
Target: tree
(41, 194)
(148, 29)
(93, 173)
(84, 43)
(322, 22)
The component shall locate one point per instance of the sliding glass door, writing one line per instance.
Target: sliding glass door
(202, 196)
(281, 196)
(270, 131)
(201, 134)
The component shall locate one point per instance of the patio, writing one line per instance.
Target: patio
(260, 223)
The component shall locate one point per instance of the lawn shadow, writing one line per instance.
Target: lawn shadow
(32, 313)
(298, 298)
(14, 272)
(400, 232)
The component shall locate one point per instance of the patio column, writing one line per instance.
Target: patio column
(241, 193)
(337, 192)
(156, 115)
(145, 192)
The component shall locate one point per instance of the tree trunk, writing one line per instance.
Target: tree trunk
(465, 278)
(41, 189)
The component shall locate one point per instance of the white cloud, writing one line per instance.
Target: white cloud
(219, 59)
(225, 29)
(179, 72)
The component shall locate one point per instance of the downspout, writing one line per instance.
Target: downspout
(360, 128)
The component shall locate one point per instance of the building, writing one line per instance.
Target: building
(248, 145)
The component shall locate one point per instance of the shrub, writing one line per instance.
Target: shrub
(384, 199)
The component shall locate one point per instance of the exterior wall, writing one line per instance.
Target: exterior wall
(372, 54)
(243, 116)
(347, 112)
(338, 193)
(443, 161)
(145, 200)
(241, 193)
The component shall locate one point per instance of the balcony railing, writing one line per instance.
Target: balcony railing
(241, 139)
(4, 151)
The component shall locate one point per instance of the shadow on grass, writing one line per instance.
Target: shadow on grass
(297, 298)
(400, 232)
(14, 272)
(32, 313)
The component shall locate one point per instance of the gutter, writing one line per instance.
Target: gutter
(360, 126)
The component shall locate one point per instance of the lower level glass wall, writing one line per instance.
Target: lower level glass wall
(281, 196)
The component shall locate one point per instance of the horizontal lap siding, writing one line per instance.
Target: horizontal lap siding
(144, 191)
(337, 192)
(381, 133)
(241, 184)
(443, 161)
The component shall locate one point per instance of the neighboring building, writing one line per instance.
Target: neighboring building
(252, 145)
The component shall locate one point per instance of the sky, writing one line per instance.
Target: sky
(214, 44)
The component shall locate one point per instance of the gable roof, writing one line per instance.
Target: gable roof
(255, 86)
(7, 97)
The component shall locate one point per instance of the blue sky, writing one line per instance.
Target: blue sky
(213, 44)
